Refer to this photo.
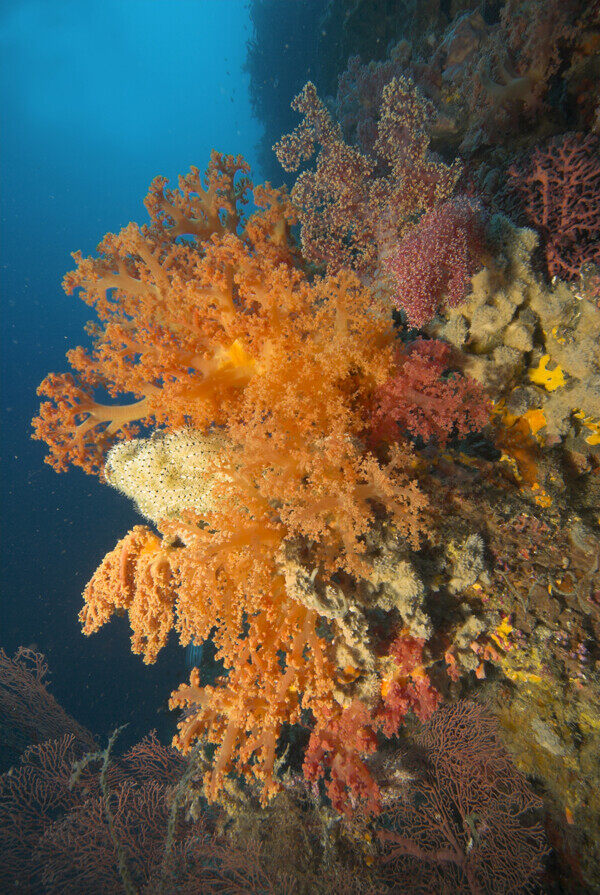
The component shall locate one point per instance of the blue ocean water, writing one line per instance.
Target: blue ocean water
(97, 98)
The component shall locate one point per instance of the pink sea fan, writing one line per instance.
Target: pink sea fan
(435, 261)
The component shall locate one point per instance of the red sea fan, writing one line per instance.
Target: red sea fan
(435, 261)
(559, 187)
(469, 823)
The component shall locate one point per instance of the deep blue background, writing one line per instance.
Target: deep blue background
(96, 98)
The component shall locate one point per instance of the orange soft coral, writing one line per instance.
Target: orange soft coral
(136, 577)
(168, 316)
(224, 332)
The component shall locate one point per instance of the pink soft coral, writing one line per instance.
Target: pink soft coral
(437, 258)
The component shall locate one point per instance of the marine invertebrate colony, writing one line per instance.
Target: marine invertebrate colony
(437, 259)
(558, 186)
(260, 379)
(512, 320)
(353, 204)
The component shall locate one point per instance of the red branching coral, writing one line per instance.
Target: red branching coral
(406, 694)
(436, 259)
(468, 823)
(29, 713)
(56, 836)
(340, 747)
(30, 796)
(337, 748)
(559, 187)
(424, 400)
(352, 205)
(407, 651)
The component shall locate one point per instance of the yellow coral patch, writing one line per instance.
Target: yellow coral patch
(525, 677)
(549, 379)
(236, 356)
(501, 634)
(541, 497)
(151, 546)
(536, 419)
(590, 423)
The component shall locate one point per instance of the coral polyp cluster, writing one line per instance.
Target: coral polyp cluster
(165, 474)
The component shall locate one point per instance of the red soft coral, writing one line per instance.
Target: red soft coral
(409, 688)
(402, 696)
(437, 258)
(340, 747)
(423, 399)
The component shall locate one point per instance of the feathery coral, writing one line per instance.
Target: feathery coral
(420, 401)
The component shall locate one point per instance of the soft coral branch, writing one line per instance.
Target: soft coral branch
(425, 399)
(170, 313)
(77, 429)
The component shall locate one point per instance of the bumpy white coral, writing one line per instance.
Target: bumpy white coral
(166, 473)
(532, 346)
